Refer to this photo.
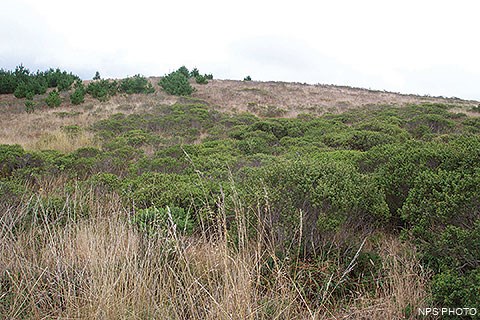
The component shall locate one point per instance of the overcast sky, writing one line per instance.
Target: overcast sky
(408, 46)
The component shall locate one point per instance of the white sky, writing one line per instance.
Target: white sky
(409, 46)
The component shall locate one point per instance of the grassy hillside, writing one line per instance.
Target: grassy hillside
(245, 200)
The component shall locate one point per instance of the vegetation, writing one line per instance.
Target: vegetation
(78, 95)
(102, 89)
(53, 100)
(135, 84)
(25, 84)
(177, 82)
(187, 212)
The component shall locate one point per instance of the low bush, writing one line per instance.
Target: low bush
(153, 220)
(29, 106)
(135, 84)
(201, 79)
(53, 100)
(176, 83)
(102, 89)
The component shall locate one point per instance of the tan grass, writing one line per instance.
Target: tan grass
(102, 267)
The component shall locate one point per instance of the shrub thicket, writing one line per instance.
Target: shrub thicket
(25, 84)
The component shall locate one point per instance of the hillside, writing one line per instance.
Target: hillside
(243, 200)
(265, 99)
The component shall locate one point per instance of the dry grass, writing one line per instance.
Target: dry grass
(102, 267)
(42, 129)
(296, 98)
(262, 98)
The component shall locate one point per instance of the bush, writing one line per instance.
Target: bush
(450, 289)
(247, 78)
(8, 82)
(152, 220)
(194, 73)
(78, 96)
(29, 106)
(330, 193)
(30, 88)
(201, 79)
(135, 84)
(53, 100)
(60, 79)
(25, 84)
(183, 70)
(176, 83)
(102, 89)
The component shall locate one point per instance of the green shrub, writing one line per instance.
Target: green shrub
(77, 97)
(449, 289)
(135, 84)
(247, 78)
(194, 73)
(11, 158)
(183, 70)
(29, 106)
(201, 79)
(8, 82)
(53, 100)
(60, 79)
(329, 193)
(22, 90)
(107, 181)
(102, 89)
(27, 89)
(176, 83)
(153, 220)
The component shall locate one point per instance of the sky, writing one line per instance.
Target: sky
(410, 46)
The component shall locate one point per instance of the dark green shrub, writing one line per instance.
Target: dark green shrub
(135, 84)
(11, 158)
(78, 96)
(102, 89)
(97, 76)
(22, 90)
(53, 100)
(247, 78)
(29, 106)
(176, 83)
(201, 79)
(60, 79)
(8, 82)
(183, 70)
(194, 73)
